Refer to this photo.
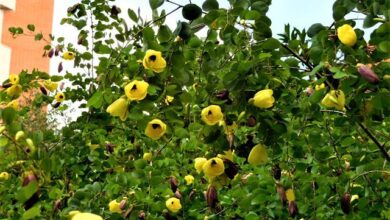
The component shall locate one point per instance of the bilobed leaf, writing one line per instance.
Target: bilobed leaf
(314, 29)
(96, 100)
(164, 34)
(209, 5)
(154, 4)
(31, 27)
(132, 15)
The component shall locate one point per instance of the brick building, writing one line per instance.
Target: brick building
(24, 52)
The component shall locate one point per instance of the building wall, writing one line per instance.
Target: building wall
(5, 52)
(26, 53)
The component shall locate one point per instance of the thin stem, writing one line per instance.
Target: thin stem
(368, 172)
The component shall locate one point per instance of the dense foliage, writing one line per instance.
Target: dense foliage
(240, 124)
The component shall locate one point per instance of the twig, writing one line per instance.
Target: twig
(368, 172)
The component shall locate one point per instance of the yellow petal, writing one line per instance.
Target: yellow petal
(264, 99)
(212, 114)
(347, 35)
(213, 167)
(114, 207)
(154, 61)
(136, 90)
(118, 109)
(155, 129)
(258, 155)
(173, 204)
(290, 195)
(199, 162)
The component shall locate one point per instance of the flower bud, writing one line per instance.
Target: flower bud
(281, 193)
(57, 205)
(43, 90)
(211, 197)
(178, 194)
(60, 67)
(192, 194)
(141, 215)
(222, 95)
(293, 209)
(174, 183)
(276, 172)
(367, 73)
(57, 51)
(231, 169)
(57, 104)
(7, 85)
(251, 121)
(51, 53)
(345, 203)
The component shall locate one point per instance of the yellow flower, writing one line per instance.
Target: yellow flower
(213, 167)
(228, 155)
(60, 97)
(51, 86)
(77, 215)
(68, 55)
(347, 35)
(114, 206)
(212, 114)
(154, 61)
(189, 179)
(155, 129)
(258, 155)
(147, 156)
(334, 99)
(319, 87)
(168, 99)
(290, 195)
(14, 104)
(264, 99)
(118, 108)
(4, 176)
(173, 204)
(136, 90)
(14, 79)
(14, 90)
(199, 162)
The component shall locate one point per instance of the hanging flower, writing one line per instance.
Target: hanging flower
(154, 61)
(264, 99)
(334, 99)
(115, 207)
(14, 79)
(347, 35)
(199, 162)
(147, 156)
(68, 55)
(155, 129)
(14, 104)
(189, 179)
(77, 215)
(118, 108)
(213, 167)
(212, 114)
(173, 204)
(14, 90)
(49, 85)
(258, 155)
(319, 87)
(4, 176)
(60, 97)
(136, 90)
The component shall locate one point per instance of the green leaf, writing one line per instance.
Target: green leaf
(314, 29)
(384, 46)
(38, 37)
(154, 4)
(31, 27)
(3, 141)
(209, 5)
(132, 15)
(270, 44)
(32, 213)
(96, 100)
(164, 34)
(148, 34)
(86, 56)
(27, 192)
(9, 115)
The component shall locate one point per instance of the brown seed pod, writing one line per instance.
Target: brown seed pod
(345, 203)
(368, 74)
(43, 90)
(251, 121)
(231, 169)
(192, 194)
(211, 197)
(57, 104)
(7, 85)
(222, 95)
(28, 179)
(178, 194)
(51, 53)
(57, 205)
(60, 67)
(122, 204)
(282, 194)
(141, 215)
(57, 51)
(293, 209)
(174, 183)
(276, 172)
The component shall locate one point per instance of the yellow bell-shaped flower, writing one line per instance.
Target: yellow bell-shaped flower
(189, 179)
(199, 162)
(77, 215)
(155, 129)
(347, 35)
(147, 156)
(213, 167)
(68, 55)
(290, 195)
(136, 90)
(14, 90)
(115, 207)
(59, 97)
(49, 85)
(4, 176)
(14, 104)
(154, 61)
(212, 114)
(319, 87)
(173, 204)
(264, 99)
(334, 99)
(14, 79)
(118, 108)
(258, 155)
